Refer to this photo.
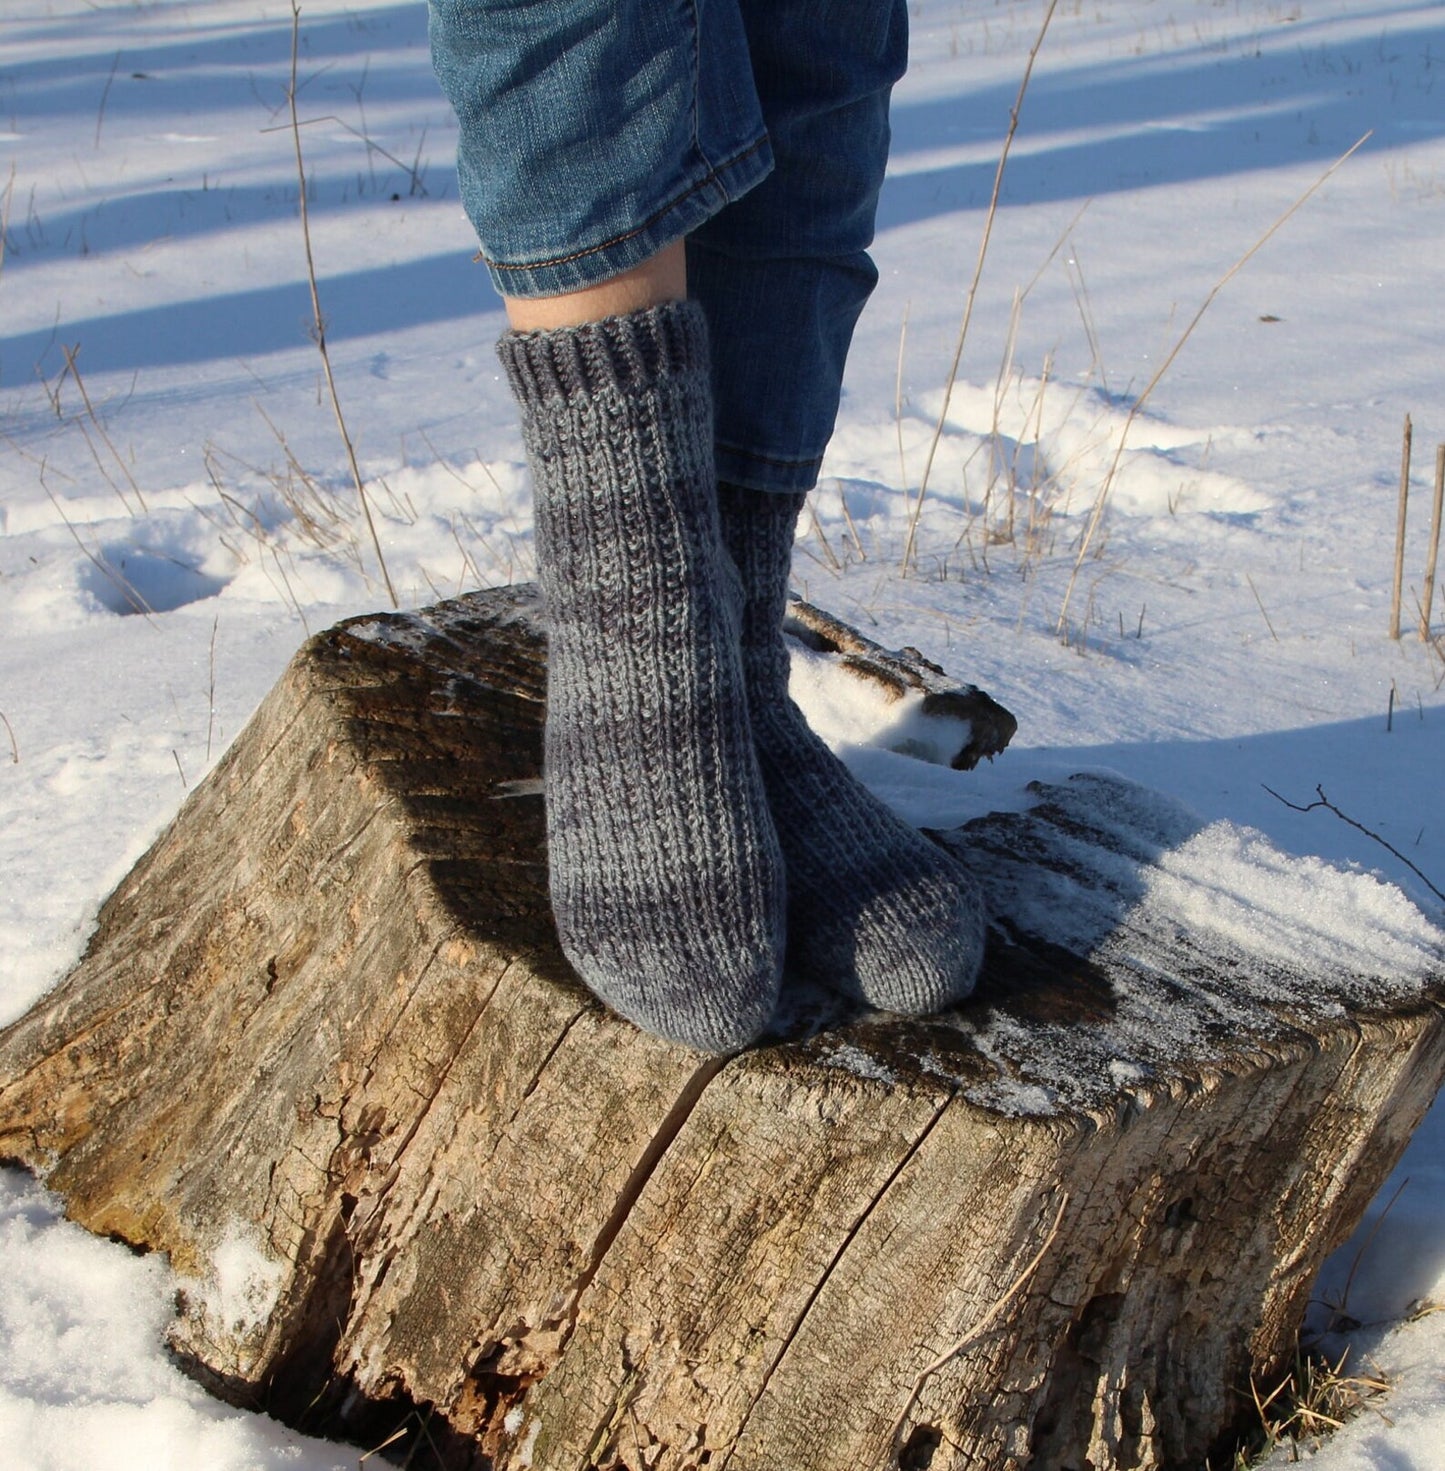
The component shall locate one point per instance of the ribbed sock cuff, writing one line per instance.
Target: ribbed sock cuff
(617, 354)
(758, 527)
(775, 505)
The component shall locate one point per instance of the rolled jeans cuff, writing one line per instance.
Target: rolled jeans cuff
(594, 134)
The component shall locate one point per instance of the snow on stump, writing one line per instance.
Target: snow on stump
(324, 1052)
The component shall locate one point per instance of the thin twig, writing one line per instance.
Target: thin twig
(211, 692)
(1101, 500)
(319, 320)
(1433, 555)
(978, 1330)
(372, 146)
(1365, 1246)
(14, 744)
(1329, 806)
(105, 93)
(1400, 517)
(1260, 601)
(1013, 123)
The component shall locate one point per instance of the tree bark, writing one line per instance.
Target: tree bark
(323, 1050)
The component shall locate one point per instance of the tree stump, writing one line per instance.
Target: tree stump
(323, 1050)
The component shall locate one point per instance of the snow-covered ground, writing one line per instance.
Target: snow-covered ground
(169, 535)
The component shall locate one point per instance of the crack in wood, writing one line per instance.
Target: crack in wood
(657, 1146)
(423, 1110)
(817, 1290)
(384, 806)
(501, 1135)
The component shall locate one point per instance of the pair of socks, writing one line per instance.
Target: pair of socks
(699, 835)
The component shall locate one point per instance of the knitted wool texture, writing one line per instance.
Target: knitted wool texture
(665, 873)
(874, 908)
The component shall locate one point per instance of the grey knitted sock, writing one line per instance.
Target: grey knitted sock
(874, 908)
(666, 878)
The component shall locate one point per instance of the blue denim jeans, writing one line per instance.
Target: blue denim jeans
(596, 132)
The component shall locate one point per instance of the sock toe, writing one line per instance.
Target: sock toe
(875, 910)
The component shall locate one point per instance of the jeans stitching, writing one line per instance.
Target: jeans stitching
(710, 179)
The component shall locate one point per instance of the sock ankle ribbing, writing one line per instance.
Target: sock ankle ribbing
(874, 908)
(666, 878)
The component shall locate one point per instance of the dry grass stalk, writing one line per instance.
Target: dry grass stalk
(105, 97)
(1043, 495)
(898, 402)
(1096, 516)
(470, 571)
(320, 321)
(74, 369)
(398, 1434)
(908, 550)
(1037, 413)
(211, 689)
(5, 215)
(130, 594)
(848, 522)
(833, 564)
(1314, 1400)
(1433, 555)
(413, 171)
(506, 567)
(1339, 1311)
(1400, 519)
(1040, 507)
(317, 515)
(1086, 312)
(289, 593)
(246, 520)
(1002, 384)
(14, 744)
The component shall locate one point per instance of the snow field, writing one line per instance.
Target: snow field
(164, 551)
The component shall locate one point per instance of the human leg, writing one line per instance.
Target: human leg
(783, 272)
(666, 879)
(874, 907)
(594, 133)
(659, 279)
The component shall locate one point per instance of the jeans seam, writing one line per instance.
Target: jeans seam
(697, 85)
(790, 462)
(710, 179)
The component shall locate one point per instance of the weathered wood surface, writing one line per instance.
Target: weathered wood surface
(323, 1050)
